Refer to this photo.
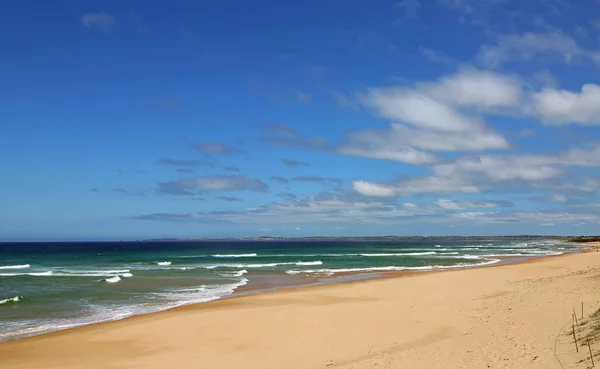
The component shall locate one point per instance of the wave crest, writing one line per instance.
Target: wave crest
(22, 266)
(114, 279)
(235, 255)
(11, 300)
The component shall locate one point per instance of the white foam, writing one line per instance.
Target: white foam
(83, 272)
(402, 254)
(235, 255)
(163, 263)
(203, 293)
(390, 268)
(238, 273)
(14, 299)
(72, 273)
(39, 274)
(22, 266)
(114, 279)
(103, 314)
(264, 265)
(126, 275)
(317, 262)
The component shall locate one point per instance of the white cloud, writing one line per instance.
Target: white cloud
(563, 107)
(448, 204)
(527, 46)
(433, 119)
(418, 109)
(560, 198)
(373, 189)
(477, 89)
(501, 168)
(380, 147)
(99, 19)
(415, 186)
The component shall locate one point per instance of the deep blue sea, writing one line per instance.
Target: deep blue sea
(46, 287)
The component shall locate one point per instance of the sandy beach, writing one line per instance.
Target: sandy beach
(510, 316)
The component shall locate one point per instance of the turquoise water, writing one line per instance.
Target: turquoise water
(48, 287)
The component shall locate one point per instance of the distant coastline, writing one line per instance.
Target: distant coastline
(578, 239)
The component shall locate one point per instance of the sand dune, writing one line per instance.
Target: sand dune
(511, 316)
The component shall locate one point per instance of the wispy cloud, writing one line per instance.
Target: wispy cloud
(410, 8)
(344, 101)
(328, 208)
(188, 186)
(529, 45)
(280, 180)
(435, 55)
(214, 148)
(180, 163)
(280, 130)
(312, 178)
(281, 135)
(303, 97)
(295, 163)
(230, 198)
(99, 19)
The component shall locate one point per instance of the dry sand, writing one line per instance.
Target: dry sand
(511, 316)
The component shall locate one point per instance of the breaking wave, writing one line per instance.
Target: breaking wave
(235, 255)
(11, 300)
(22, 266)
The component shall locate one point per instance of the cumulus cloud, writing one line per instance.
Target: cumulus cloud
(522, 167)
(502, 168)
(478, 89)
(436, 116)
(99, 19)
(188, 186)
(561, 107)
(417, 109)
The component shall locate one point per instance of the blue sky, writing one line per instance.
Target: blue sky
(134, 119)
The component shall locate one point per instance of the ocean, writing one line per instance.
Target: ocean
(46, 287)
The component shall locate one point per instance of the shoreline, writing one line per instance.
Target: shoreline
(392, 322)
(416, 320)
(341, 279)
